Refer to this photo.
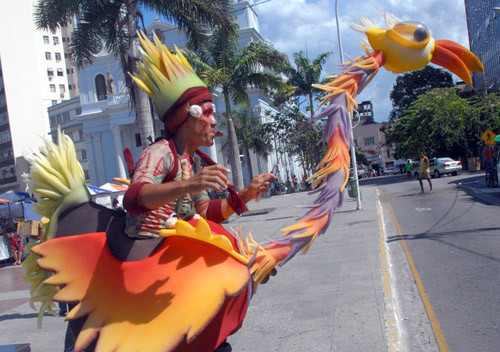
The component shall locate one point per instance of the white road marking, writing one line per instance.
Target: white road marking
(423, 209)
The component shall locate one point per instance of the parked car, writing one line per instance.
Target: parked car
(360, 172)
(389, 171)
(442, 166)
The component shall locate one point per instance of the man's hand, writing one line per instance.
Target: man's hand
(213, 177)
(258, 186)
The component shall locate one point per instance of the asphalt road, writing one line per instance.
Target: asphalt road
(450, 240)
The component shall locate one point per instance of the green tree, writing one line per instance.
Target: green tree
(233, 70)
(361, 157)
(437, 122)
(300, 80)
(410, 85)
(487, 109)
(114, 24)
(486, 115)
(442, 123)
(296, 135)
(304, 75)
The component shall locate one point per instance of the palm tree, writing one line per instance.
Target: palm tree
(302, 78)
(115, 24)
(232, 69)
(304, 75)
(251, 136)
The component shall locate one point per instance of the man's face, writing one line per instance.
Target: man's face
(204, 126)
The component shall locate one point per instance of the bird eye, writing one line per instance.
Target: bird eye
(413, 31)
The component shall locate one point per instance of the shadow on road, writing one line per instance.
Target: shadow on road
(440, 237)
(21, 316)
(385, 180)
(476, 189)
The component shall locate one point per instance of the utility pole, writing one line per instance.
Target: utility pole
(353, 150)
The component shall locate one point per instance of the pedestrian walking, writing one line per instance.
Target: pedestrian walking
(409, 168)
(424, 172)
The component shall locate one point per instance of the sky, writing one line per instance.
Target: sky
(293, 25)
(310, 26)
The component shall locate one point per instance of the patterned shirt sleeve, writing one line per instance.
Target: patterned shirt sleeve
(153, 163)
(151, 168)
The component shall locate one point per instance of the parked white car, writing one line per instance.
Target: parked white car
(360, 172)
(442, 166)
(389, 171)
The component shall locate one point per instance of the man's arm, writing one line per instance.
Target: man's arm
(154, 196)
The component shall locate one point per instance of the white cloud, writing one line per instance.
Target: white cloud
(293, 25)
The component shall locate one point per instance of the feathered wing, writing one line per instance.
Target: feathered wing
(57, 180)
(163, 299)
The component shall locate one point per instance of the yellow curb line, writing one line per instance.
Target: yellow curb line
(438, 333)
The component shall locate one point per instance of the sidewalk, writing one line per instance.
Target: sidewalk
(330, 299)
(474, 184)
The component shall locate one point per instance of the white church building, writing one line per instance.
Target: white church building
(102, 123)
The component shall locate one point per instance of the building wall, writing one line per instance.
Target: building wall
(108, 124)
(26, 68)
(484, 32)
(66, 117)
(246, 15)
(71, 69)
(35, 77)
(8, 179)
(371, 140)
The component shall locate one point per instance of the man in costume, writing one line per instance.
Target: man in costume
(164, 185)
(189, 290)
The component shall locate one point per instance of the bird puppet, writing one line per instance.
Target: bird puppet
(189, 289)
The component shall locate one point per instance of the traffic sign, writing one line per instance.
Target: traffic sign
(488, 137)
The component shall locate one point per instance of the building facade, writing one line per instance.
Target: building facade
(71, 69)
(34, 77)
(368, 137)
(108, 124)
(483, 24)
(8, 179)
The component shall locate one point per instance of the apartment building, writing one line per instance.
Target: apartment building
(108, 123)
(8, 178)
(369, 137)
(34, 75)
(483, 25)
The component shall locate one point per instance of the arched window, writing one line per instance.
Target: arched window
(100, 87)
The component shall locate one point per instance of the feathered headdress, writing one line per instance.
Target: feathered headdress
(169, 80)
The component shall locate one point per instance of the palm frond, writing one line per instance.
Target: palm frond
(196, 17)
(50, 14)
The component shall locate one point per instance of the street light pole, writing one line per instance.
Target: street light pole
(353, 151)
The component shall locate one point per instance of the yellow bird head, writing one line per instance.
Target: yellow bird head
(408, 46)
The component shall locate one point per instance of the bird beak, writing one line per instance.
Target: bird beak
(457, 59)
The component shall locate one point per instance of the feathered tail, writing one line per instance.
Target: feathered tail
(57, 180)
(333, 170)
